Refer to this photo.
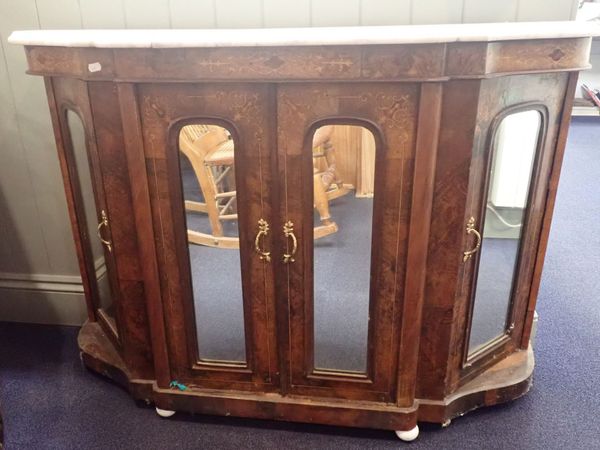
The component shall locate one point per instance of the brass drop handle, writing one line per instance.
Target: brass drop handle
(263, 230)
(104, 223)
(288, 231)
(471, 230)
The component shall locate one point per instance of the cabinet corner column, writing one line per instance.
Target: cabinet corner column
(428, 125)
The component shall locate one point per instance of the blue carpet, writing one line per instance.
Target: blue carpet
(493, 290)
(49, 401)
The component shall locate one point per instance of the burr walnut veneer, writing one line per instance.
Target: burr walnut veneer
(438, 101)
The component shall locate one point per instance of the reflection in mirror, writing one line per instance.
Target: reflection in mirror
(92, 217)
(513, 154)
(208, 176)
(343, 175)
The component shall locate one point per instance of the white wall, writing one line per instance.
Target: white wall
(39, 279)
(515, 147)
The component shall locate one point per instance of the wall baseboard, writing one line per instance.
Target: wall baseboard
(41, 298)
(41, 282)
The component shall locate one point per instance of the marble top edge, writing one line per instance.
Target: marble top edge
(270, 37)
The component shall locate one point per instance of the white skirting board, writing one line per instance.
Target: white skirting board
(44, 299)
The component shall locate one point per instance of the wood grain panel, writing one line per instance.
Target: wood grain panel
(72, 62)
(347, 142)
(365, 182)
(355, 158)
(477, 59)
(142, 212)
(428, 127)
(280, 63)
(561, 140)
(446, 234)
(72, 197)
(225, 63)
(115, 177)
(541, 55)
(410, 61)
(426, 62)
(466, 58)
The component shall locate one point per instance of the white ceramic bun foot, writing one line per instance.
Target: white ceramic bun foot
(409, 435)
(164, 412)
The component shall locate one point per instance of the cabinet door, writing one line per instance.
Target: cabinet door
(510, 169)
(346, 159)
(85, 189)
(208, 162)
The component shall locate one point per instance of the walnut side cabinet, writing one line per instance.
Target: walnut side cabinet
(434, 100)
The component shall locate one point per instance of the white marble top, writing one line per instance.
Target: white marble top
(266, 37)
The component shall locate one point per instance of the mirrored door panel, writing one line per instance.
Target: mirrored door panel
(346, 160)
(343, 194)
(210, 196)
(210, 147)
(498, 239)
(96, 221)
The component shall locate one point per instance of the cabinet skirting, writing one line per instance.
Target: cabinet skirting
(507, 381)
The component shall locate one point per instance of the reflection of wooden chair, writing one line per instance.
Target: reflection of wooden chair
(326, 180)
(211, 154)
(210, 151)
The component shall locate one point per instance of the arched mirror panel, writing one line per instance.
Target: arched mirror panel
(207, 166)
(515, 145)
(96, 221)
(343, 159)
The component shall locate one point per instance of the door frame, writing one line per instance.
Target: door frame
(392, 118)
(244, 110)
(71, 95)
